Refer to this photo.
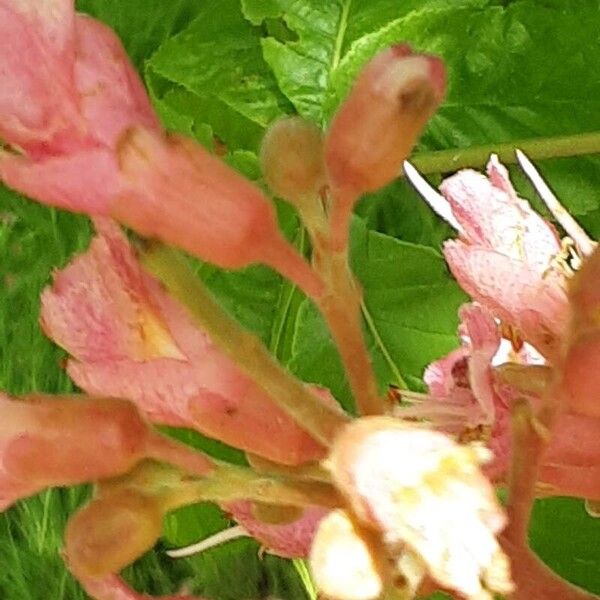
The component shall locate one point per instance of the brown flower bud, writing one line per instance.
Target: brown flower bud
(377, 125)
(291, 157)
(111, 532)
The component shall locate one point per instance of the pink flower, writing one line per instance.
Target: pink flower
(113, 587)
(506, 255)
(174, 190)
(435, 511)
(68, 92)
(129, 339)
(49, 442)
(463, 399)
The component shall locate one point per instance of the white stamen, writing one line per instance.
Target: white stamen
(437, 202)
(210, 542)
(578, 235)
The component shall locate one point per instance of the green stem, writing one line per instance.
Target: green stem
(230, 483)
(243, 347)
(443, 161)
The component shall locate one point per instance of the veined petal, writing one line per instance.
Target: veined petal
(130, 339)
(494, 217)
(513, 291)
(37, 98)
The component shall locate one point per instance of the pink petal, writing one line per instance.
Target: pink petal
(493, 217)
(512, 291)
(290, 540)
(499, 178)
(114, 588)
(439, 376)
(83, 181)
(37, 98)
(111, 94)
(130, 339)
(484, 340)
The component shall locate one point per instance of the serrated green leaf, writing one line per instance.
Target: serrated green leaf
(321, 33)
(142, 26)
(514, 72)
(217, 59)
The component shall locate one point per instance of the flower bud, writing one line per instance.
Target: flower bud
(73, 440)
(177, 192)
(111, 532)
(377, 125)
(291, 157)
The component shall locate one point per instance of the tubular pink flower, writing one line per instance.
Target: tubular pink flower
(463, 399)
(129, 339)
(50, 442)
(176, 191)
(68, 92)
(114, 588)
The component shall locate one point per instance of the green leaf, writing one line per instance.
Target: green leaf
(566, 538)
(320, 34)
(410, 313)
(142, 26)
(514, 72)
(215, 66)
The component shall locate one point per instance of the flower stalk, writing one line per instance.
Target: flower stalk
(448, 161)
(243, 347)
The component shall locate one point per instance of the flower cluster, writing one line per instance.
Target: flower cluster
(400, 499)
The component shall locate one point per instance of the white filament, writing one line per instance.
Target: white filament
(574, 231)
(437, 202)
(210, 542)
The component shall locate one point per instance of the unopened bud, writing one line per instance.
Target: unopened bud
(111, 532)
(345, 562)
(376, 127)
(292, 159)
(177, 192)
(73, 440)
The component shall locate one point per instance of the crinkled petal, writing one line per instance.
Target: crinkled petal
(111, 94)
(37, 97)
(493, 217)
(439, 376)
(82, 181)
(484, 340)
(130, 339)
(512, 291)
